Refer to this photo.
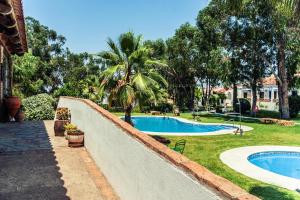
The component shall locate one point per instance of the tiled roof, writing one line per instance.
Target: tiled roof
(271, 80)
(220, 90)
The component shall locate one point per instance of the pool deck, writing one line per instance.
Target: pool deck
(37, 165)
(237, 159)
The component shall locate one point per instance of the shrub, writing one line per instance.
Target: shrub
(294, 104)
(245, 106)
(163, 107)
(219, 109)
(39, 107)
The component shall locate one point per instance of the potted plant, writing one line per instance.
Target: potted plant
(20, 116)
(12, 104)
(74, 136)
(62, 118)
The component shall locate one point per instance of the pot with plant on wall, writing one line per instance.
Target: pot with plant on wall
(62, 118)
(74, 136)
(20, 116)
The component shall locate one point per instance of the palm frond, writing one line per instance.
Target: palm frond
(114, 48)
(126, 95)
(110, 57)
(127, 43)
(138, 40)
(142, 82)
(156, 64)
(110, 72)
(158, 78)
(139, 56)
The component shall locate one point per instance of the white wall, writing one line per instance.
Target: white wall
(135, 171)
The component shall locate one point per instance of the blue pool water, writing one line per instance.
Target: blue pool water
(280, 162)
(171, 125)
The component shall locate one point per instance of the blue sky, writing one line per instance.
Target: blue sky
(88, 23)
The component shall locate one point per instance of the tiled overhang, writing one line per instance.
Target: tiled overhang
(12, 26)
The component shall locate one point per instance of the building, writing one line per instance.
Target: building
(267, 95)
(12, 42)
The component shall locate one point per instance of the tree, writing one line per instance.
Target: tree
(182, 55)
(285, 14)
(25, 69)
(131, 76)
(46, 44)
(232, 72)
(210, 59)
(52, 68)
(257, 40)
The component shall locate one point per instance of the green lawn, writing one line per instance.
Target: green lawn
(207, 149)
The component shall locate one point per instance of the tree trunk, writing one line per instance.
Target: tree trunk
(191, 97)
(128, 115)
(254, 99)
(234, 98)
(283, 86)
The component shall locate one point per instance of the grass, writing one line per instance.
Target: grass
(206, 150)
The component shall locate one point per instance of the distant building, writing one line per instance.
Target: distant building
(267, 95)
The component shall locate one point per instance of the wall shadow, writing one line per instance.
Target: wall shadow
(28, 166)
(270, 193)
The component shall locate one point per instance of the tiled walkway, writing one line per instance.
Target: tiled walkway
(36, 165)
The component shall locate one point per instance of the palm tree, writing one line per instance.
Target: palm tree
(131, 77)
(290, 8)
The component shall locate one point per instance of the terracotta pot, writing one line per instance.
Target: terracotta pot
(12, 104)
(59, 129)
(20, 116)
(75, 139)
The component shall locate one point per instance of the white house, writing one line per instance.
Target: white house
(267, 95)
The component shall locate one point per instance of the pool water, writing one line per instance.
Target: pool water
(171, 125)
(280, 162)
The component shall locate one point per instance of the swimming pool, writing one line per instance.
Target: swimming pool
(285, 163)
(176, 126)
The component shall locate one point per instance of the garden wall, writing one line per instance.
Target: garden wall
(138, 167)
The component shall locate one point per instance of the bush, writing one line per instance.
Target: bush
(245, 106)
(39, 107)
(219, 109)
(163, 107)
(294, 104)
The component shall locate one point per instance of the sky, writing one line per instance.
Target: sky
(88, 23)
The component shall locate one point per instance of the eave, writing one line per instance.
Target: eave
(12, 26)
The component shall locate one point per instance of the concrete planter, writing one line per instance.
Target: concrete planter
(75, 138)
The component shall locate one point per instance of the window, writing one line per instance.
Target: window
(275, 94)
(229, 96)
(245, 95)
(270, 95)
(294, 93)
(261, 95)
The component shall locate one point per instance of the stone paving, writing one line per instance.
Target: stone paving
(16, 137)
(34, 164)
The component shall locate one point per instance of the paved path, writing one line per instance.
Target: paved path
(36, 165)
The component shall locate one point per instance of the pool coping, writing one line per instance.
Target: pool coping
(237, 159)
(220, 132)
